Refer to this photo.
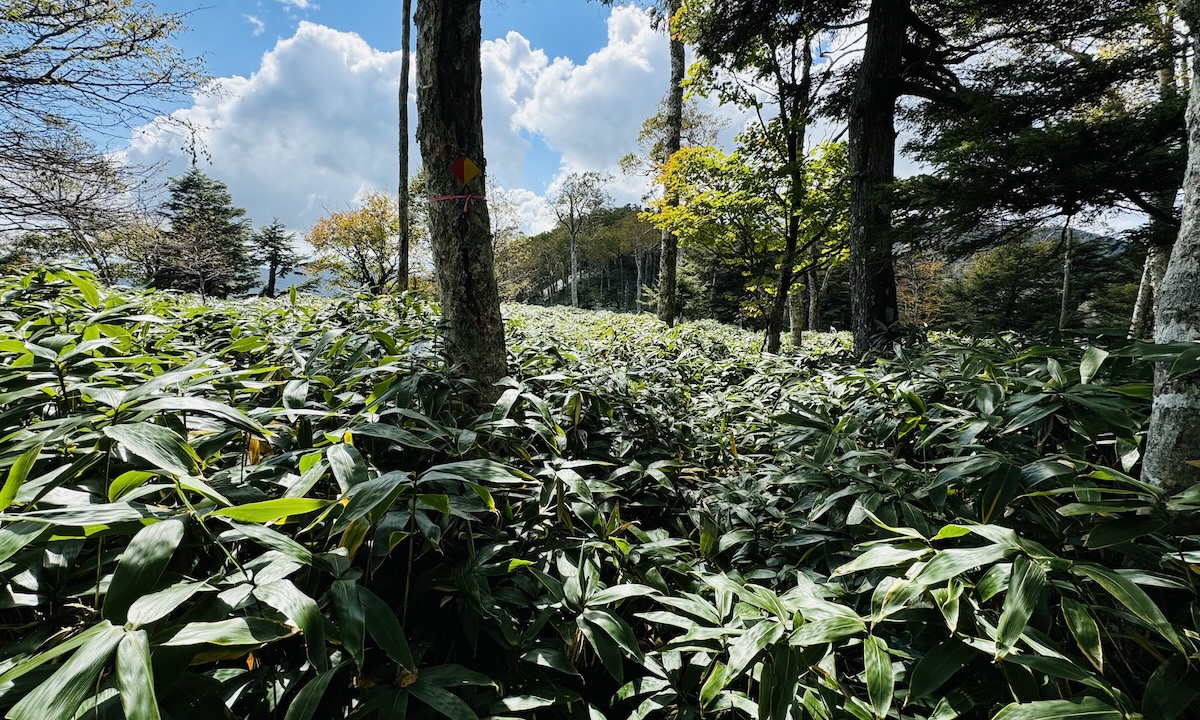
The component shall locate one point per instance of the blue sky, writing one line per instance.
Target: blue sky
(305, 119)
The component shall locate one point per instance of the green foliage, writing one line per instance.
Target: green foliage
(205, 250)
(288, 508)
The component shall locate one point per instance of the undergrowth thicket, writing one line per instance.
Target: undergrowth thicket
(291, 509)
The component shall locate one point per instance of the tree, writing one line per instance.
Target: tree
(738, 213)
(360, 247)
(450, 133)
(66, 67)
(1173, 439)
(669, 256)
(405, 201)
(204, 249)
(1071, 125)
(761, 52)
(273, 246)
(581, 195)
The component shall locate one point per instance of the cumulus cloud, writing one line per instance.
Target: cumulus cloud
(315, 125)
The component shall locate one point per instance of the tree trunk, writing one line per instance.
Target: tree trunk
(271, 277)
(668, 301)
(574, 271)
(1174, 435)
(815, 291)
(872, 171)
(405, 213)
(795, 102)
(796, 308)
(450, 126)
(637, 302)
(1064, 310)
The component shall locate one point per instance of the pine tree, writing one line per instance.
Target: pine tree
(274, 249)
(205, 250)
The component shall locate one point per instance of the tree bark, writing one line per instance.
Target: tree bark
(815, 291)
(405, 213)
(574, 271)
(1174, 435)
(668, 300)
(796, 309)
(1064, 310)
(872, 172)
(450, 126)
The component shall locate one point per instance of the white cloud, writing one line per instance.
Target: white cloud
(259, 25)
(315, 125)
(299, 4)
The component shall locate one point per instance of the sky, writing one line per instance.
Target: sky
(304, 118)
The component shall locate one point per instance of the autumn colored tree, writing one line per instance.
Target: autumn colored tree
(358, 248)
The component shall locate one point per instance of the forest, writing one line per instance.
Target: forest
(805, 434)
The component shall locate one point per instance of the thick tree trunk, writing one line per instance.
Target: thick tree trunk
(271, 278)
(668, 300)
(450, 126)
(405, 213)
(872, 171)
(1174, 435)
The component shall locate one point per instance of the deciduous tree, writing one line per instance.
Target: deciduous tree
(579, 198)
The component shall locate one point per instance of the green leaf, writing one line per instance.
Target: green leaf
(17, 474)
(1093, 358)
(17, 535)
(481, 471)
(27, 666)
(442, 701)
(827, 630)
(309, 698)
(1135, 599)
(155, 606)
(552, 658)
(441, 503)
(398, 435)
(135, 679)
(881, 676)
(303, 612)
(1085, 630)
(234, 417)
(61, 695)
(141, 565)
(1170, 691)
(1025, 586)
(619, 592)
(614, 627)
(939, 665)
(157, 445)
(385, 629)
(352, 620)
(745, 649)
(349, 468)
(1088, 708)
(269, 511)
(878, 556)
(718, 678)
(233, 632)
(369, 496)
(1122, 530)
